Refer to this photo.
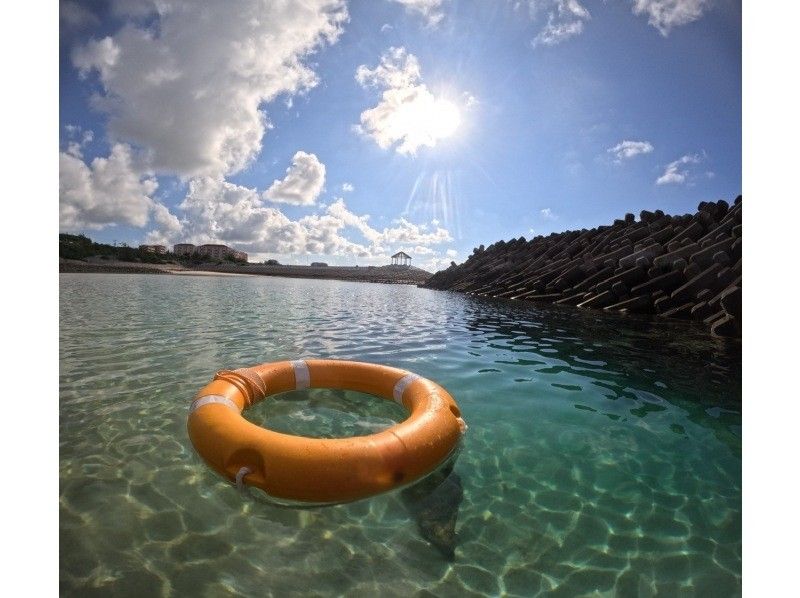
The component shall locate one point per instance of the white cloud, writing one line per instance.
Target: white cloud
(408, 232)
(303, 182)
(338, 210)
(74, 149)
(186, 81)
(435, 264)
(218, 211)
(397, 69)
(666, 14)
(674, 173)
(347, 187)
(408, 116)
(431, 10)
(629, 149)
(101, 55)
(78, 139)
(110, 191)
(565, 19)
(556, 32)
(403, 231)
(168, 226)
(547, 214)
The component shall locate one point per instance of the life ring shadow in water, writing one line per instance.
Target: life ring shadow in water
(434, 503)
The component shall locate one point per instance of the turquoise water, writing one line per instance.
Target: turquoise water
(603, 456)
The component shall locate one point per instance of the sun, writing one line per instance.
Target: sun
(443, 120)
(425, 120)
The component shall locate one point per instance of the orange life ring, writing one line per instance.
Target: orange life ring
(320, 470)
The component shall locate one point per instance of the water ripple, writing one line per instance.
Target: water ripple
(603, 455)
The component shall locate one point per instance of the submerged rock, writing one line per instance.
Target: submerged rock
(434, 503)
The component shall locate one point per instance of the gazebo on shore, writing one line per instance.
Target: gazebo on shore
(401, 258)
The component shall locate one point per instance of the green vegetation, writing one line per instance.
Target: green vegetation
(81, 247)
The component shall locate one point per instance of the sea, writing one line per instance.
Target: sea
(603, 455)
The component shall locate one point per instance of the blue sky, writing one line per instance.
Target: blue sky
(348, 131)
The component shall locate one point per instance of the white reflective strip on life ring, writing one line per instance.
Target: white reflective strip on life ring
(302, 377)
(209, 399)
(401, 386)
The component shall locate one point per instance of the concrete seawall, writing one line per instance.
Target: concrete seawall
(687, 266)
(380, 274)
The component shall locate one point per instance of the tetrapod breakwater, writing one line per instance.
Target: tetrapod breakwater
(687, 266)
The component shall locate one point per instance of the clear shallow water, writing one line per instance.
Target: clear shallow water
(603, 456)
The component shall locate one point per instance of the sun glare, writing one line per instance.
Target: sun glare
(424, 121)
(443, 120)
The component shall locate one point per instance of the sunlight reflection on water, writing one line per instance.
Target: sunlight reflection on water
(603, 454)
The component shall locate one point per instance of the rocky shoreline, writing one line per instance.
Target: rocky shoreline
(687, 267)
(70, 266)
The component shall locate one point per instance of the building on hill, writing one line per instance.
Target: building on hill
(401, 258)
(215, 251)
(160, 249)
(183, 249)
